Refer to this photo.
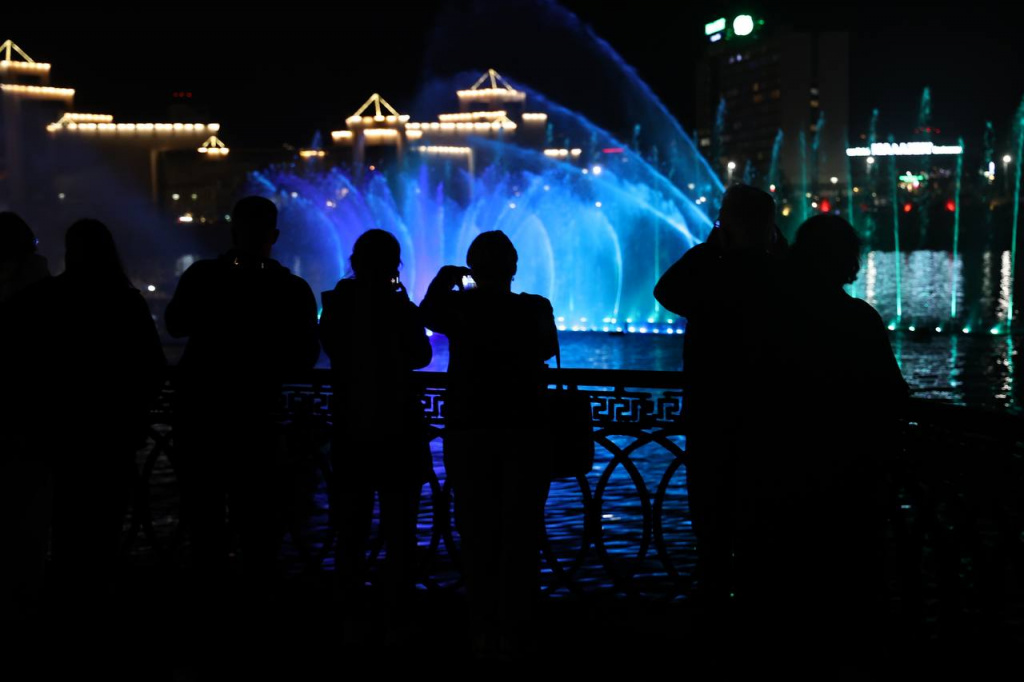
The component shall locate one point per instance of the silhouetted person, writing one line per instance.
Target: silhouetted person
(836, 391)
(24, 475)
(375, 338)
(20, 265)
(249, 323)
(98, 368)
(499, 342)
(723, 287)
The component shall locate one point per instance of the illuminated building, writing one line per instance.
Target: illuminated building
(27, 103)
(77, 156)
(491, 109)
(756, 79)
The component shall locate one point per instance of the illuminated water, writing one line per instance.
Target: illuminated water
(591, 236)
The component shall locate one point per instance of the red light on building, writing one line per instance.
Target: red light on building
(950, 205)
(826, 205)
(907, 208)
(613, 150)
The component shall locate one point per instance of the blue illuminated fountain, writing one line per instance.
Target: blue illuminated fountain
(595, 224)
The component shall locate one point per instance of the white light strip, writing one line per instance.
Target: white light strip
(905, 149)
(473, 116)
(497, 93)
(443, 149)
(23, 66)
(40, 90)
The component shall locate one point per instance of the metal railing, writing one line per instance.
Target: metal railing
(955, 517)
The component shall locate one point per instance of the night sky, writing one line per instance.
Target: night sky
(274, 77)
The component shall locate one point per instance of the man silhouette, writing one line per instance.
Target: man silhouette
(723, 288)
(249, 322)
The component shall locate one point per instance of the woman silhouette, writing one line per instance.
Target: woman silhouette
(499, 342)
(374, 337)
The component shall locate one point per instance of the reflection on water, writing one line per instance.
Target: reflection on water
(925, 297)
(963, 369)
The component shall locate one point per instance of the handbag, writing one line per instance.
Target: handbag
(570, 434)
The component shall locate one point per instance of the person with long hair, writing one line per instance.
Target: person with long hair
(99, 366)
(374, 337)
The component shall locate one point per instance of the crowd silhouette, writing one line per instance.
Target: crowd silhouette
(791, 394)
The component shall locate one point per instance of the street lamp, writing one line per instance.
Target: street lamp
(731, 166)
(1006, 162)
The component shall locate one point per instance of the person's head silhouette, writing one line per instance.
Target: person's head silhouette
(492, 260)
(254, 226)
(375, 257)
(90, 252)
(16, 238)
(828, 248)
(747, 218)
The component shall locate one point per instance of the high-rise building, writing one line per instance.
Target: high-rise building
(756, 81)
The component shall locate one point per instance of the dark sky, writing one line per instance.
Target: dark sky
(275, 76)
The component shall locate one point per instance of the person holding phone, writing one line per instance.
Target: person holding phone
(374, 337)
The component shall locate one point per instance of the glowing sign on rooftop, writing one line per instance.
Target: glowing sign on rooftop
(743, 25)
(905, 149)
(713, 27)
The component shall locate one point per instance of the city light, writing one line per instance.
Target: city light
(312, 153)
(743, 25)
(596, 170)
(904, 149)
(731, 165)
(445, 150)
(716, 26)
(70, 117)
(103, 123)
(540, 118)
(477, 116)
(1007, 159)
(561, 153)
(38, 91)
(834, 180)
(213, 147)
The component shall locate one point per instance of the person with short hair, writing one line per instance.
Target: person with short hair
(249, 324)
(498, 344)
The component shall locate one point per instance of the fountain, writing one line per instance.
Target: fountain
(956, 234)
(1018, 128)
(896, 237)
(590, 235)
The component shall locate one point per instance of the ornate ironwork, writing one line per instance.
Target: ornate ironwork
(955, 488)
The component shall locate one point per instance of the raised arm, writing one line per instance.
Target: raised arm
(688, 286)
(437, 306)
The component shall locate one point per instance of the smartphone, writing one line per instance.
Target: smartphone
(468, 282)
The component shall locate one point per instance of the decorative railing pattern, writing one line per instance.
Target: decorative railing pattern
(956, 522)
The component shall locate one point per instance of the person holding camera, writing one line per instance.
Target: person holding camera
(374, 337)
(494, 454)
